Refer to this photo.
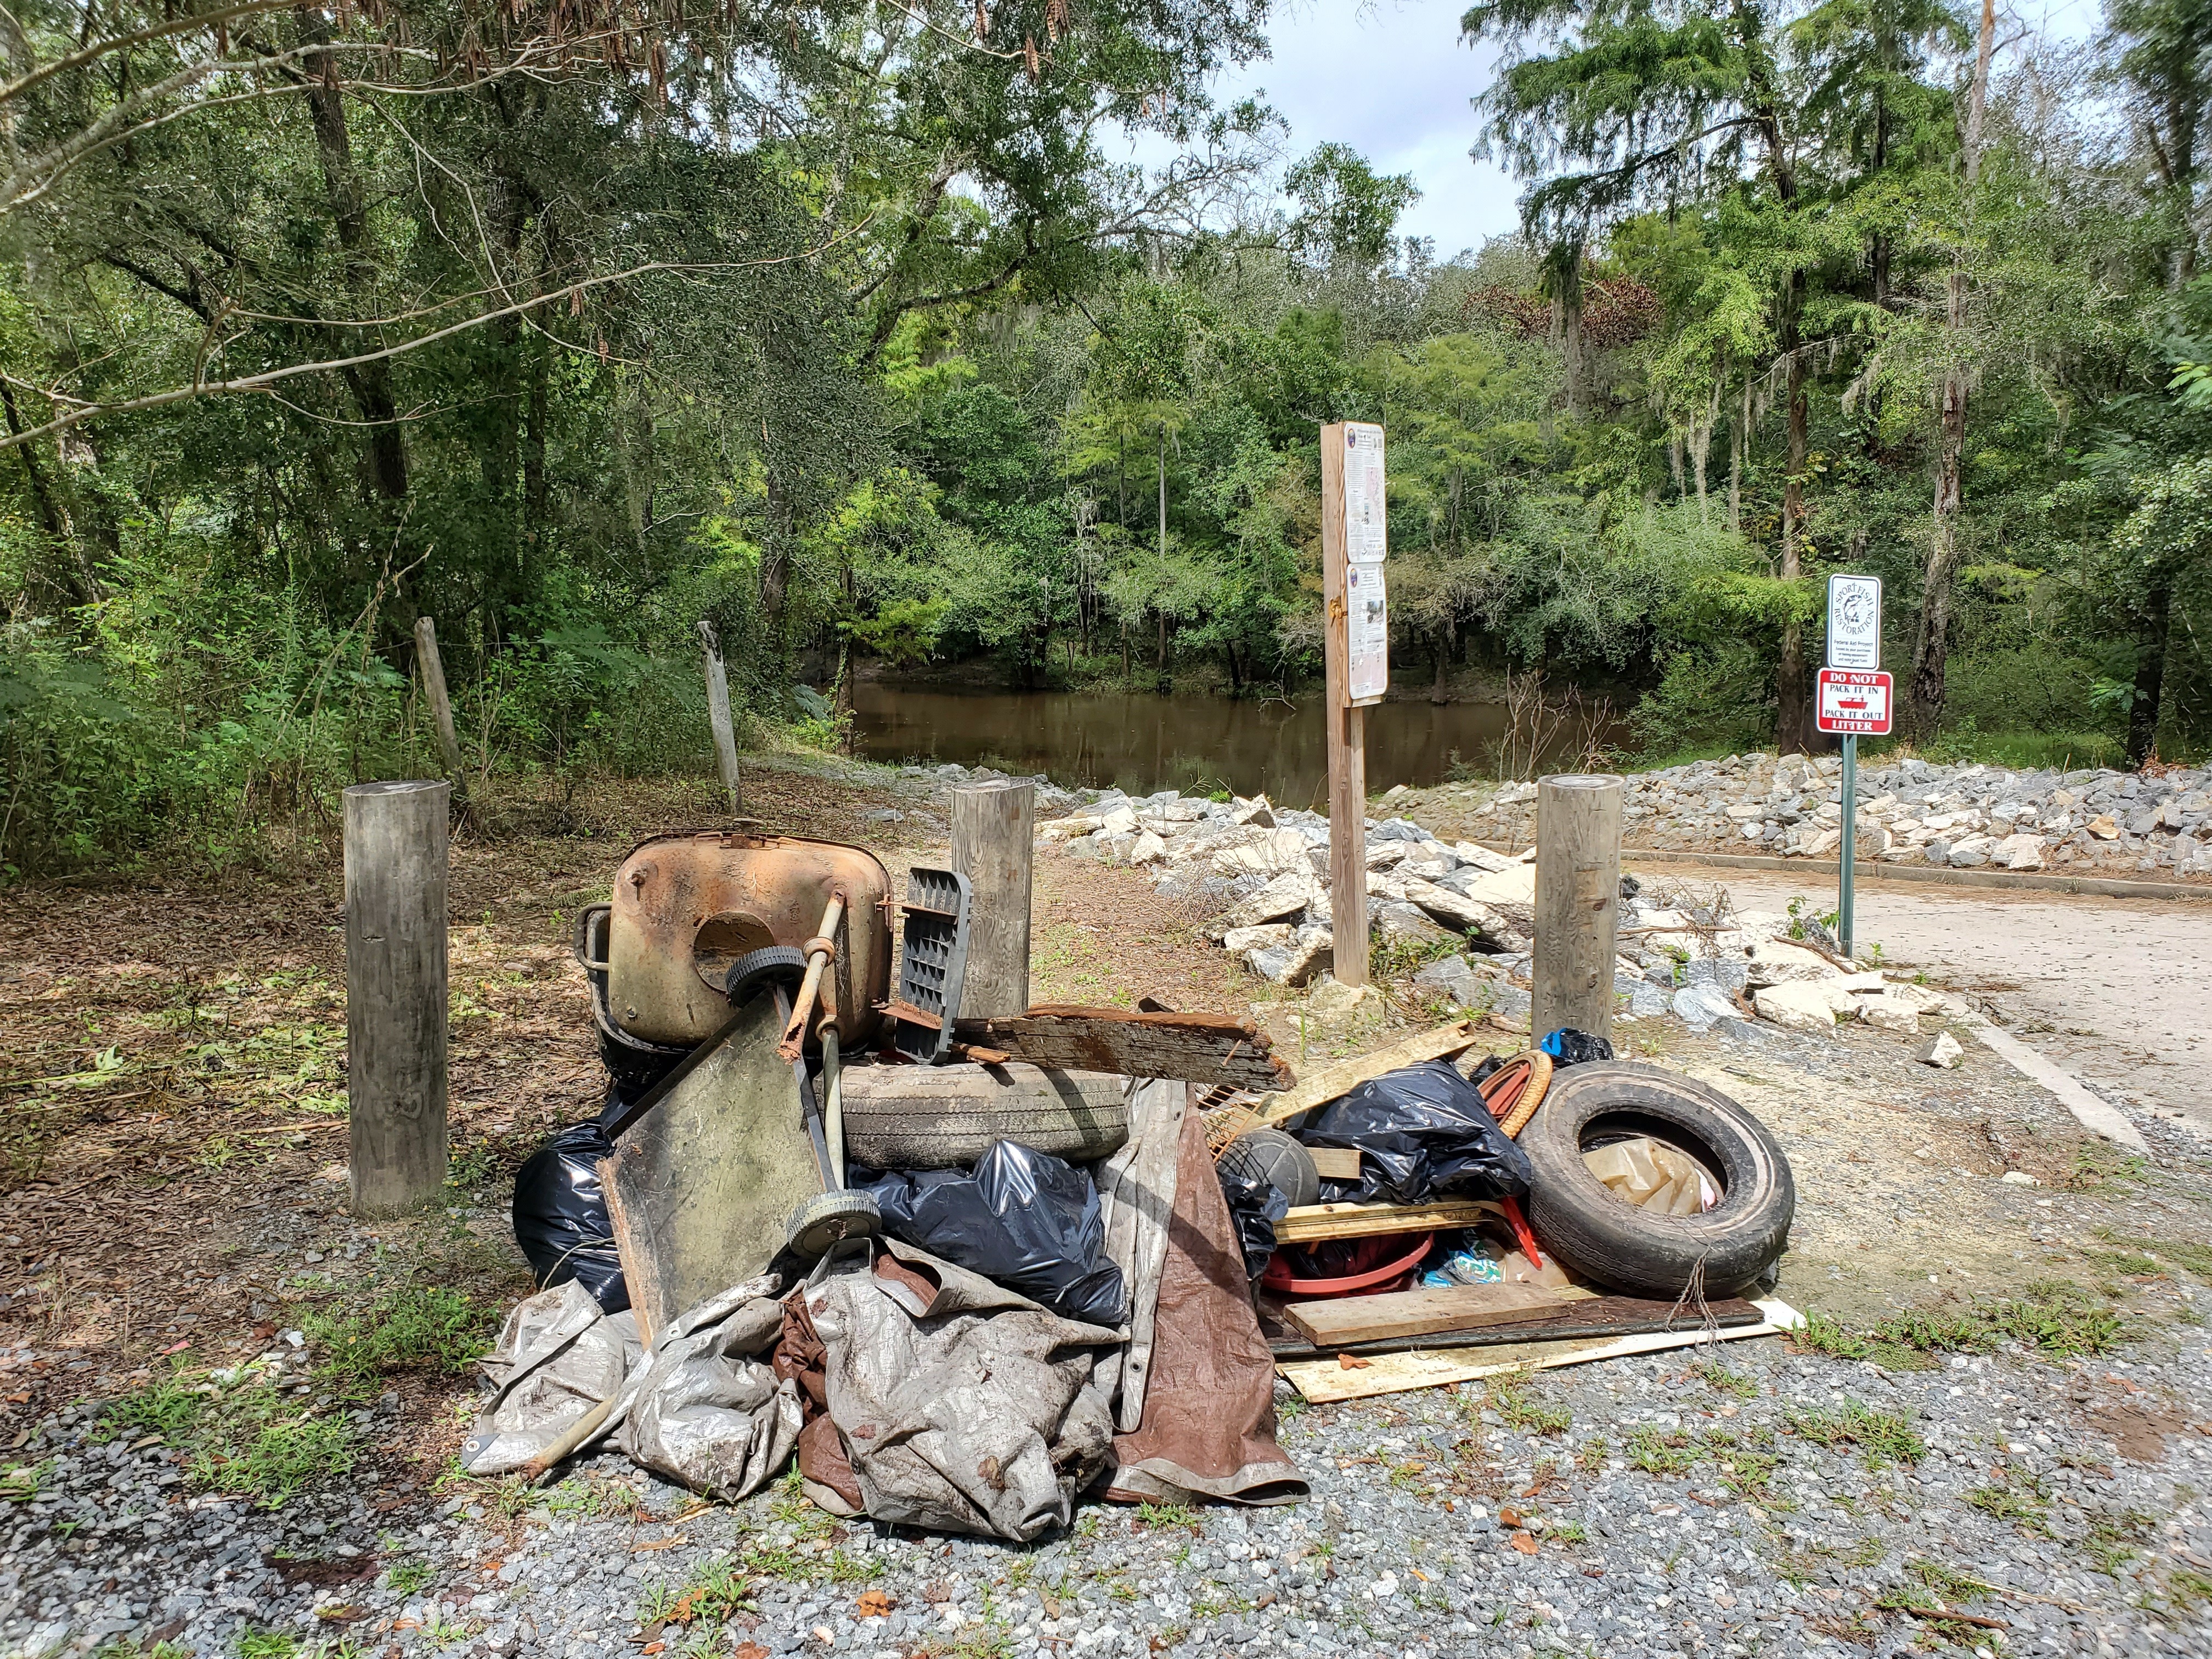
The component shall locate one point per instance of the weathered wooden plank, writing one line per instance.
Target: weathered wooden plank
(1328, 1380)
(699, 1189)
(1207, 1049)
(1335, 1162)
(1345, 1075)
(1309, 1224)
(1346, 1320)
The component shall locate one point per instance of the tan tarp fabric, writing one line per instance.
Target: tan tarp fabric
(1136, 1192)
(708, 1413)
(961, 1407)
(558, 1357)
(1209, 1407)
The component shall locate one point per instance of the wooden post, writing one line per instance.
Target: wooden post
(993, 827)
(395, 900)
(441, 706)
(1578, 903)
(718, 715)
(1348, 734)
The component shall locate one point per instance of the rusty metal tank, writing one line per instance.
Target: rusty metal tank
(688, 903)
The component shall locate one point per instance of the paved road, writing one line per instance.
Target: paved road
(2117, 991)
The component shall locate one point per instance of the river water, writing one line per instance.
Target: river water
(1142, 743)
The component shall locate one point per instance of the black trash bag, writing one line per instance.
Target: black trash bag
(1490, 1063)
(1422, 1133)
(561, 1216)
(1254, 1207)
(1025, 1219)
(1568, 1046)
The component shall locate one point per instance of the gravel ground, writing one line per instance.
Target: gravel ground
(2074, 1494)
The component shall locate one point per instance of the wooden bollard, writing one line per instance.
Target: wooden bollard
(1578, 903)
(395, 894)
(993, 827)
(718, 716)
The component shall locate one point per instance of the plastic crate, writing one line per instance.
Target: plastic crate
(932, 959)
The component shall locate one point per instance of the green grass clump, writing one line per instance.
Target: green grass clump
(1657, 1451)
(1882, 1437)
(1510, 1398)
(2023, 1505)
(243, 1435)
(2054, 1316)
(411, 1328)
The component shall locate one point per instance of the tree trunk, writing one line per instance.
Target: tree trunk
(533, 451)
(1567, 322)
(1163, 492)
(1160, 657)
(1792, 729)
(2152, 636)
(369, 383)
(1931, 637)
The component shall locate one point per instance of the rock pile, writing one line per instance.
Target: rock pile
(1685, 956)
(1910, 812)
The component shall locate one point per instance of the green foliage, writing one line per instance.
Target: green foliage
(1882, 1437)
(240, 1433)
(410, 1327)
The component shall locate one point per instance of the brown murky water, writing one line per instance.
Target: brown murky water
(1143, 742)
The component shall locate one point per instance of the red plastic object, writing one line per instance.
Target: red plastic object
(1366, 1282)
(1519, 1223)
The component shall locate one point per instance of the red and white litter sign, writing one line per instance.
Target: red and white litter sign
(1855, 701)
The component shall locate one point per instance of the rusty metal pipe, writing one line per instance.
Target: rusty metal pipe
(819, 949)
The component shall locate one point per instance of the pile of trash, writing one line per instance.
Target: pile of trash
(962, 1283)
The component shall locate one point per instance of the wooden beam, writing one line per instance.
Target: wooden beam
(718, 715)
(994, 826)
(441, 705)
(1344, 1321)
(1347, 731)
(396, 1012)
(1345, 1075)
(1309, 1224)
(1202, 1048)
(1578, 903)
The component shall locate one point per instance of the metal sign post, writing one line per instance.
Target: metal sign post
(1854, 697)
(1354, 538)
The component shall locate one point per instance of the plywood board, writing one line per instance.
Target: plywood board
(1207, 1049)
(1328, 1380)
(699, 1188)
(1343, 1321)
(1345, 1075)
(1309, 1224)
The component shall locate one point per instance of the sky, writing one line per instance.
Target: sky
(1391, 79)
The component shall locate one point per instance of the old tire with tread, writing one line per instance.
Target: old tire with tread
(772, 963)
(945, 1117)
(1601, 1238)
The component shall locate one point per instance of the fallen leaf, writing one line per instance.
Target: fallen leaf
(937, 1592)
(1418, 1574)
(651, 1648)
(874, 1604)
(1511, 1518)
(1350, 1362)
(749, 1651)
(1524, 1543)
(1450, 1507)
(492, 1565)
(647, 1547)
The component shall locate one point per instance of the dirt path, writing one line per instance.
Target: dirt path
(2114, 990)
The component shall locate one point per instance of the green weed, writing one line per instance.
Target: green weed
(1167, 1516)
(1657, 1451)
(411, 1327)
(1721, 1380)
(2023, 1505)
(2054, 1316)
(21, 1482)
(1510, 1398)
(405, 1578)
(244, 1436)
(1747, 1473)
(1882, 1437)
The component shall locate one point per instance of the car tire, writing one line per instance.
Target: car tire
(1575, 1215)
(945, 1117)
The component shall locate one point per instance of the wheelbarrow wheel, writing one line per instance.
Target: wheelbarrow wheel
(820, 1222)
(774, 965)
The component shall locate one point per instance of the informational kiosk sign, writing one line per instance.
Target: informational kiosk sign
(1367, 543)
(1355, 539)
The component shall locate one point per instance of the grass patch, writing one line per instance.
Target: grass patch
(243, 1435)
(1510, 1398)
(2024, 1505)
(411, 1327)
(2054, 1316)
(714, 1593)
(1721, 1380)
(1882, 1437)
(2180, 1252)
(405, 1578)
(1658, 1451)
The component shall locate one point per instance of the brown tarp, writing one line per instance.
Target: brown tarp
(1209, 1418)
